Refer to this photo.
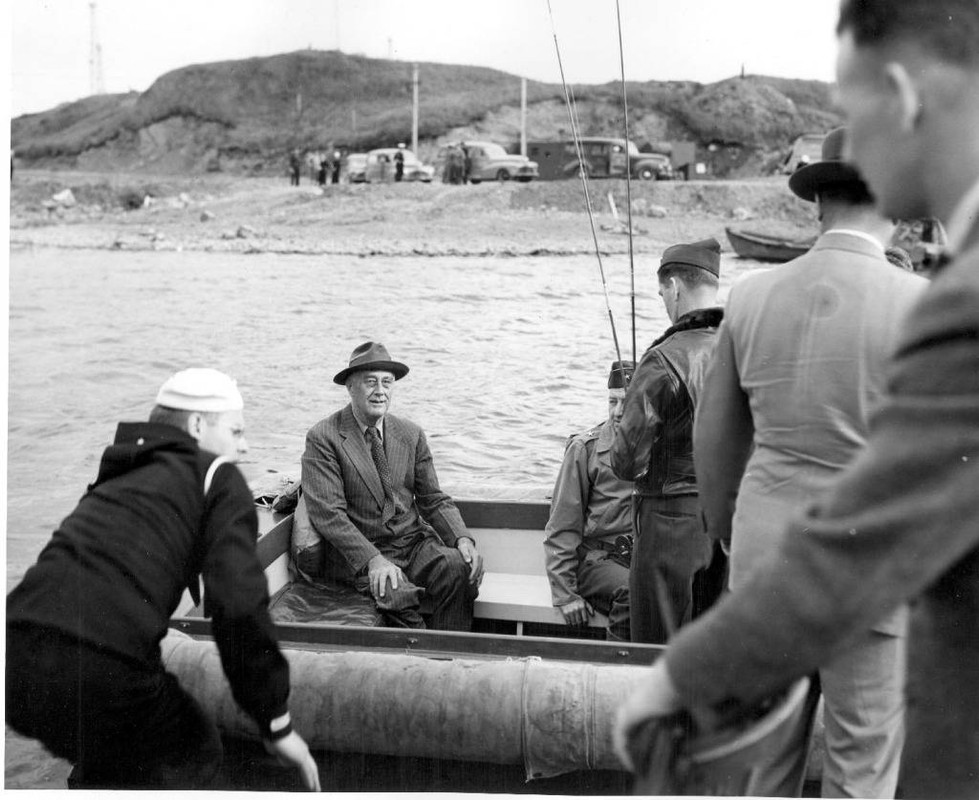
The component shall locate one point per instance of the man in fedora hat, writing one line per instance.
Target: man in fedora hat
(375, 508)
(671, 580)
(84, 626)
(799, 363)
(588, 536)
(902, 520)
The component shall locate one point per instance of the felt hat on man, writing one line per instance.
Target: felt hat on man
(200, 389)
(705, 254)
(620, 374)
(370, 356)
(831, 170)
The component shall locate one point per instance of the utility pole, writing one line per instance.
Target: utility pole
(414, 108)
(523, 116)
(336, 21)
(96, 82)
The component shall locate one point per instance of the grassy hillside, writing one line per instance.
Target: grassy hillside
(246, 115)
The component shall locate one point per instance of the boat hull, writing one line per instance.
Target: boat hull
(761, 247)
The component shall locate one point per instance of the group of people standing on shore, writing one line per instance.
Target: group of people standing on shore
(793, 470)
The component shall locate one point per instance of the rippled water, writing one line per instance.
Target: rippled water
(507, 356)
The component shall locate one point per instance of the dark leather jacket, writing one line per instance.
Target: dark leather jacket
(654, 442)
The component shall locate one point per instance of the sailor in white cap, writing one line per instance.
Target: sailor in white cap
(207, 404)
(84, 626)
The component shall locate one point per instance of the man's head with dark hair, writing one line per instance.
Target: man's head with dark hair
(692, 277)
(947, 29)
(907, 77)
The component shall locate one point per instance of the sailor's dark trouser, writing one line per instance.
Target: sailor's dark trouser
(123, 724)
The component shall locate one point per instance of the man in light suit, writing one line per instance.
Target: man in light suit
(798, 365)
(377, 514)
(902, 520)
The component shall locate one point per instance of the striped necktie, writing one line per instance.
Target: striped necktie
(373, 436)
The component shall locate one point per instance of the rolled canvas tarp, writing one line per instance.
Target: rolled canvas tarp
(551, 717)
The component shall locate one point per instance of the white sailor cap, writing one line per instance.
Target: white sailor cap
(200, 389)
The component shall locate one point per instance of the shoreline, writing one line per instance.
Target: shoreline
(229, 214)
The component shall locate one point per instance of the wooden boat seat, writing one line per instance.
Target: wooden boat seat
(515, 588)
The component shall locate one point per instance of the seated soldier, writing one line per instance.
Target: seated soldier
(377, 517)
(589, 533)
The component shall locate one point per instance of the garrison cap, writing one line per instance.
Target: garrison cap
(620, 374)
(705, 254)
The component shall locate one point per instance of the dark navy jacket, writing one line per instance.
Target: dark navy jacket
(115, 569)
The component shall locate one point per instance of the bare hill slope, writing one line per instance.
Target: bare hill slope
(244, 116)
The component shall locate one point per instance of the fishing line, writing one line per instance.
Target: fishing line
(582, 173)
(628, 181)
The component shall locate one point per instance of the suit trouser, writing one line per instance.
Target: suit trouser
(863, 694)
(434, 571)
(670, 548)
(604, 583)
(122, 724)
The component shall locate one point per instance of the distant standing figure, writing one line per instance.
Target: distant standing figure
(337, 161)
(399, 163)
(467, 165)
(321, 173)
(294, 167)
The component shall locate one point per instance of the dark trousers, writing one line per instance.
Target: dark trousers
(435, 572)
(677, 570)
(438, 582)
(122, 724)
(605, 584)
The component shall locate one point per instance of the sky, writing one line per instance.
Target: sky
(699, 40)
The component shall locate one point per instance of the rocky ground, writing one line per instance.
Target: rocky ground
(230, 214)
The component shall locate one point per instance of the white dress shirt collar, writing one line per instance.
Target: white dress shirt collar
(860, 235)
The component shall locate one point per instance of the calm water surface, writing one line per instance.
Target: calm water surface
(508, 356)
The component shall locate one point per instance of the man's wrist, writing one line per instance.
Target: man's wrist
(465, 538)
(278, 728)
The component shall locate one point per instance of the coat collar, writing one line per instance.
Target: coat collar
(692, 320)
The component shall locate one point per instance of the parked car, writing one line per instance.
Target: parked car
(490, 162)
(806, 149)
(355, 166)
(380, 166)
(605, 157)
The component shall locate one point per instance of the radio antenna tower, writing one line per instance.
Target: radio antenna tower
(95, 80)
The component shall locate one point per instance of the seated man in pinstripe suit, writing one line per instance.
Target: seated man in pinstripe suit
(377, 517)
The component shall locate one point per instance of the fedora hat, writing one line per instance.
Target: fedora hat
(830, 169)
(368, 356)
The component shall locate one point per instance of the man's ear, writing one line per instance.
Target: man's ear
(905, 93)
(195, 424)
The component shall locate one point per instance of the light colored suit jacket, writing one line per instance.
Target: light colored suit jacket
(344, 497)
(799, 365)
(902, 522)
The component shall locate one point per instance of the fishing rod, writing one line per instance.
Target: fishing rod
(628, 181)
(583, 174)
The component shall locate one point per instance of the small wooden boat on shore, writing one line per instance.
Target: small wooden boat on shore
(764, 247)
(522, 704)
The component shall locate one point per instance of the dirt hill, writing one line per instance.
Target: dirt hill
(245, 116)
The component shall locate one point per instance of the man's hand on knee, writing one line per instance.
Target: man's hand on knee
(577, 612)
(380, 571)
(472, 557)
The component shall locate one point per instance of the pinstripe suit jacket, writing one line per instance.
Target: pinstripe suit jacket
(345, 499)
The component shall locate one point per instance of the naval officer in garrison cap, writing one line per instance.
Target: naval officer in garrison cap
(588, 536)
(653, 447)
